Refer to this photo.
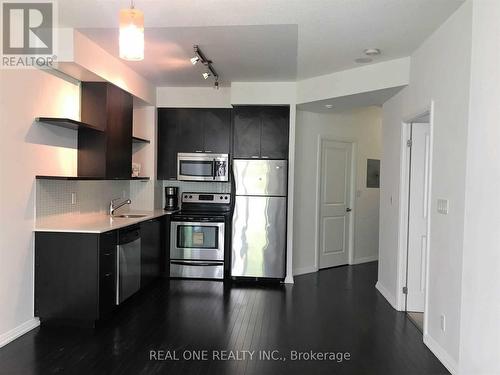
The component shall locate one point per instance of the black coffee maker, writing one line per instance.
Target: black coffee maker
(171, 198)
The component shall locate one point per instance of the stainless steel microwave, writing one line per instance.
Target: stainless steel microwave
(202, 167)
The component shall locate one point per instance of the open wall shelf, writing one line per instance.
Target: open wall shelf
(140, 140)
(67, 123)
(74, 178)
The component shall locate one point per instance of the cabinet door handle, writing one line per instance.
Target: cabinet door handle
(255, 157)
(107, 274)
(208, 151)
(198, 151)
(265, 157)
(108, 254)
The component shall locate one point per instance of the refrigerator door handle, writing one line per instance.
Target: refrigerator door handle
(198, 264)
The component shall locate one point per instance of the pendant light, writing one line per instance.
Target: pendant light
(131, 34)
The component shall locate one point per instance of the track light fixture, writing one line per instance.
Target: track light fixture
(200, 57)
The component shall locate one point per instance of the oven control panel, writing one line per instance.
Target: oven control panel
(216, 198)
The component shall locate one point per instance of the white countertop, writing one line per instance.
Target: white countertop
(92, 222)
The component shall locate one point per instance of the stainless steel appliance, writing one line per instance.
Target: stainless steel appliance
(198, 236)
(128, 263)
(259, 219)
(202, 167)
(171, 198)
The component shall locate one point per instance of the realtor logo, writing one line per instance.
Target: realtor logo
(27, 28)
(27, 33)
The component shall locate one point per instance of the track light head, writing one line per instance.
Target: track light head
(194, 60)
(206, 75)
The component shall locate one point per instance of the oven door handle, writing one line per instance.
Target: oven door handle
(213, 169)
(199, 264)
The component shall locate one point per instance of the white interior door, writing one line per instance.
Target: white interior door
(335, 191)
(418, 217)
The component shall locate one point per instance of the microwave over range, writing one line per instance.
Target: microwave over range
(202, 167)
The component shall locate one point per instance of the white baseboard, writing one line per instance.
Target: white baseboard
(20, 330)
(304, 270)
(441, 354)
(387, 295)
(371, 258)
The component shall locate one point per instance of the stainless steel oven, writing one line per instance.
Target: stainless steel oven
(197, 247)
(197, 238)
(202, 167)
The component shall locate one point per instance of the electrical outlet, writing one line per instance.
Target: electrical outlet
(443, 206)
(73, 198)
(443, 323)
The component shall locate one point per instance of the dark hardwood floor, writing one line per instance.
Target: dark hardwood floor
(335, 310)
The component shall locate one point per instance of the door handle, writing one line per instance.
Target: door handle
(348, 209)
(197, 264)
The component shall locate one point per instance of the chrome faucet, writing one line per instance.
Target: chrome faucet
(113, 208)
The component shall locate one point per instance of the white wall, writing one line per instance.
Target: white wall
(248, 93)
(387, 74)
(362, 125)
(27, 149)
(480, 320)
(440, 72)
(193, 97)
(83, 59)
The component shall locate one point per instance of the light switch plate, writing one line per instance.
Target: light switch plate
(443, 206)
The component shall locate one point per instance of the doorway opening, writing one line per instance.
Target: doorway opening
(416, 194)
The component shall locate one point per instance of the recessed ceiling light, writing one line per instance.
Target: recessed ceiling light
(363, 60)
(328, 106)
(372, 52)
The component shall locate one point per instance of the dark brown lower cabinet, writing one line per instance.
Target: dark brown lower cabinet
(75, 275)
(151, 251)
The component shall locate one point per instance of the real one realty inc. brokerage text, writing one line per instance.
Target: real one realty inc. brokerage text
(247, 355)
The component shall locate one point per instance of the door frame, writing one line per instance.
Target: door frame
(352, 203)
(403, 208)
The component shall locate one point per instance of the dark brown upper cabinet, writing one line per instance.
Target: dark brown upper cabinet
(217, 130)
(109, 153)
(190, 130)
(261, 132)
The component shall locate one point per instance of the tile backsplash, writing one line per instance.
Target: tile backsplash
(54, 197)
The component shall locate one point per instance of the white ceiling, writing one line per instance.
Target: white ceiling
(262, 40)
(240, 53)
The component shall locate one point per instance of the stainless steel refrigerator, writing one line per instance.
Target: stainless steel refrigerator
(259, 219)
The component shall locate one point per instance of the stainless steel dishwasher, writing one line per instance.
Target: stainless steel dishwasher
(128, 263)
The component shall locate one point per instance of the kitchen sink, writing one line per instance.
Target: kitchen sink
(130, 216)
